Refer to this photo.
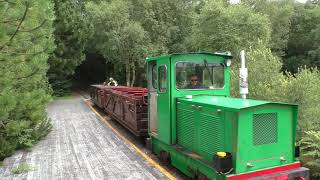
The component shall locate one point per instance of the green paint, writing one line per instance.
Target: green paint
(163, 102)
(233, 104)
(271, 141)
(192, 130)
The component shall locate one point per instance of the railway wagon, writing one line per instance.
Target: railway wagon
(196, 126)
(127, 105)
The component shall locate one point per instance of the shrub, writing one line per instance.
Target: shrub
(304, 90)
(310, 152)
(22, 168)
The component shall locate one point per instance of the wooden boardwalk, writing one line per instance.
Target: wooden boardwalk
(80, 146)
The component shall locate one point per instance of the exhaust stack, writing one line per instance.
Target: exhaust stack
(243, 81)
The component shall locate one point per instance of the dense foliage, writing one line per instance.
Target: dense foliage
(310, 151)
(123, 42)
(304, 42)
(71, 33)
(25, 43)
(279, 14)
(219, 27)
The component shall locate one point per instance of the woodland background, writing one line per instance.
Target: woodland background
(50, 47)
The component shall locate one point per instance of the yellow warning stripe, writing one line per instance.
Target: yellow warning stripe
(145, 156)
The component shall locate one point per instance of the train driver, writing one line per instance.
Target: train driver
(194, 83)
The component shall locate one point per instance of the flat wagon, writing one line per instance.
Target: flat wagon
(127, 105)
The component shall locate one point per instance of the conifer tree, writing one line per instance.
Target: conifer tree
(71, 33)
(25, 43)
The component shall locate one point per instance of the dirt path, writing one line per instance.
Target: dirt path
(80, 146)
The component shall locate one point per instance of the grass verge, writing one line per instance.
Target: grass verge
(22, 168)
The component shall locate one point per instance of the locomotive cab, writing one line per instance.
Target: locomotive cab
(196, 126)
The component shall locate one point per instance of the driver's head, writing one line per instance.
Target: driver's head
(193, 79)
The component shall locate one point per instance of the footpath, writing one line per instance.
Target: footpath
(80, 146)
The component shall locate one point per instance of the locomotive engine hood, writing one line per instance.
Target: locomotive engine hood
(255, 132)
(227, 103)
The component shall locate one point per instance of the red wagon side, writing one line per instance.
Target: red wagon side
(127, 105)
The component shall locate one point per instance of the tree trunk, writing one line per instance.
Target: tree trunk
(133, 74)
(128, 74)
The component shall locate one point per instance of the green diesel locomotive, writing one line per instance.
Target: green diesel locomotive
(195, 125)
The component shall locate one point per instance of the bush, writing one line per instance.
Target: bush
(304, 90)
(310, 152)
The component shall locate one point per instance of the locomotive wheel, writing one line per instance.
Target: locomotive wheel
(165, 157)
(200, 176)
(203, 177)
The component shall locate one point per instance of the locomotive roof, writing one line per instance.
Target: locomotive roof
(228, 102)
(200, 52)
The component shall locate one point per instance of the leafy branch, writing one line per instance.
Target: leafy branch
(29, 75)
(9, 20)
(3, 1)
(18, 27)
(43, 22)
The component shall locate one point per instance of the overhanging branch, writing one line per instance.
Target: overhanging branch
(29, 75)
(29, 30)
(18, 27)
(9, 20)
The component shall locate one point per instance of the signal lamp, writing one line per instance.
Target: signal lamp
(228, 62)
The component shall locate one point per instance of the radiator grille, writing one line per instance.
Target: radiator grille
(186, 128)
(211, 133)
(265, 128)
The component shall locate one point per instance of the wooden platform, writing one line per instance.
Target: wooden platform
(80, 146)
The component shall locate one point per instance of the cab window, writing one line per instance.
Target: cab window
(154, 76)
(199, 75)
(163, 82)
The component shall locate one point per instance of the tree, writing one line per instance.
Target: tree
(304, 41)
(120, 40)
(168, 23)
(71, 34)
(223, 27)
(279, 14)
(25, 43)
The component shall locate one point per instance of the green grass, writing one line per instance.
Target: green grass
(22, 168)
(1, 163)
